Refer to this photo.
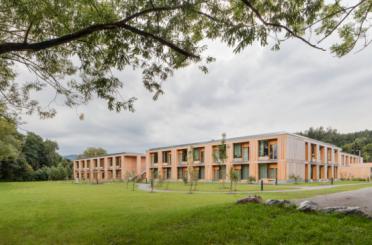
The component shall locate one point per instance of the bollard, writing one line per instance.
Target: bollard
(262, 184)
(331, 181)
(276, 181)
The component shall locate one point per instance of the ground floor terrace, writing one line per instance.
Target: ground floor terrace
(268, 172)
(118, 166)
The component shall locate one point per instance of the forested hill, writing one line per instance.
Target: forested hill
(349, 142)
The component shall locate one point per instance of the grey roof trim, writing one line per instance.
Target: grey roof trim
(243, 138)
(115, 154)
(216, 141)
(314, 140)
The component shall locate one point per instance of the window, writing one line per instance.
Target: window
(154, 158)
(184, 155)
(201, 173)
(245, 154)
(237, 150)
(273, 151)
(244, 172)
(264, 148)
(166, 156)
(196, 154)
(263, 171)
(216, 155)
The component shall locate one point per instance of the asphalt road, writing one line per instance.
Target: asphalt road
(361, 198)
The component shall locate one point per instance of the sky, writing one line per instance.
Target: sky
(255, 91)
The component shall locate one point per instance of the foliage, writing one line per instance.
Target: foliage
(29, 157)
(75, 46)
(295, 178)
(93, 152)
(234, 178)
(251, 179)
(192, 174)
(355, 143)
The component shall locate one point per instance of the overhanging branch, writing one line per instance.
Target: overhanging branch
(277, 25)
(24, 46)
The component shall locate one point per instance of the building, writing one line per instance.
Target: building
(269, 157)
(356, 171)
(110, 167)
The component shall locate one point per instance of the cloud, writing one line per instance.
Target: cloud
(252, 92)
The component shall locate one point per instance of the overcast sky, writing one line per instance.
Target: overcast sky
(256, 91)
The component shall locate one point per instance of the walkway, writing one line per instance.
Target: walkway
(361, 198)
(146, 187)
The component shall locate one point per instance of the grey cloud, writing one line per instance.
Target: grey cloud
(255, 91)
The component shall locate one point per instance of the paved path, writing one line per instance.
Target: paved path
(146, 187)
(361, 198)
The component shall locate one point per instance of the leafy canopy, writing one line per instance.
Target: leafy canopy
(93, 152)
(76, 46)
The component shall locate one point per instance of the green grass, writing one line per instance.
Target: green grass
(66, 213)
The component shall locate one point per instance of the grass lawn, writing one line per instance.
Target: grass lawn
(66, 213)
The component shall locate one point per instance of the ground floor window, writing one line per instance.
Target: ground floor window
(267, 171)
(181, 173)
(201, 173)
(154, 173)
(168, 173)
(244, 172)
(219, 172)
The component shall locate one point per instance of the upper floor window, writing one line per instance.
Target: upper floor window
(198, 154)
(268, 149)
(154, 157)
(237, 150)
(166, 156)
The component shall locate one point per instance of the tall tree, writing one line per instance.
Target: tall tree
(93, 152)
(33, 150)
(73, 46)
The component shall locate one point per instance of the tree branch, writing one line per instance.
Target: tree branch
(280, 26)
(27, 32)
(10, 47)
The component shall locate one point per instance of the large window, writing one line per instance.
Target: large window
(268, 149)
(244, 172)
(264, 148)
(198, 154)
(166, 157)
(237, 150)
(273, 151)
(154, 157)
(216, 154)
(245, 154)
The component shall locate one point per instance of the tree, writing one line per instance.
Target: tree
(222, 154)
(93, 152)
(234, 178)
(190, 168)
(367, 152)
(34, 151)
(72, 46)
(354, 143)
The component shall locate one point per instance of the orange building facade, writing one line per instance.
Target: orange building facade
(115, 166)
(271, 157)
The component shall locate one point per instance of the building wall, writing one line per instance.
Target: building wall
(356, 171)
(298, 156)
(108, 168)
